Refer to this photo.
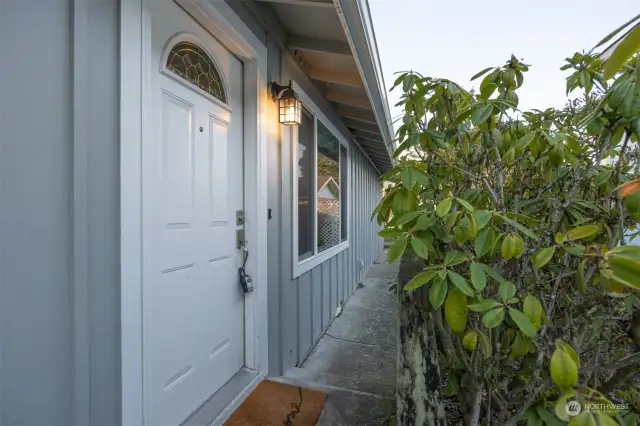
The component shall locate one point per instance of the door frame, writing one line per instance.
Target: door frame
(135, 46)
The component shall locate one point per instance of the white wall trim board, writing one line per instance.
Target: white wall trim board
(220, 20)
(131, 210)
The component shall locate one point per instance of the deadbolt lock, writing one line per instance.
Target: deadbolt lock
(240, 242)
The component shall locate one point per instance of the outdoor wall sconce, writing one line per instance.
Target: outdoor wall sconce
(289, 106)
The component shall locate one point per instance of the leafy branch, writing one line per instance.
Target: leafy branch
(520, 222)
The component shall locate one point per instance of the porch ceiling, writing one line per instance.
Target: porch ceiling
(317, 39)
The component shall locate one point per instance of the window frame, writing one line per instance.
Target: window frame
(164, 70)
(300, 267)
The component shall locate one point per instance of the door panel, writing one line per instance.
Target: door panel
(177, 161)
(217, 144)
(193, 306)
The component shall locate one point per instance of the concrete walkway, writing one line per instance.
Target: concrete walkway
(355, 361)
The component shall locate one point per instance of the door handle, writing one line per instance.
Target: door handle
(245, 280)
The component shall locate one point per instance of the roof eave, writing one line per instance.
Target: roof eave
(358, 27)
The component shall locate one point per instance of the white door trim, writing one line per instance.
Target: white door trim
(220, 20)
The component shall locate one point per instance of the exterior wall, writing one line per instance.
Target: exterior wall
(308, 303)
(300, 309)
(59, 218)
(275, 203)
(59, 227)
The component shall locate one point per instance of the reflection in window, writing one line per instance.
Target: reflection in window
(306, 198)
(190, 62)
(328, 183)
(343, 193)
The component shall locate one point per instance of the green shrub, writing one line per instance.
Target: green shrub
(523, 227)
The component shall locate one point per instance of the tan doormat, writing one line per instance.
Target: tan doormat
(278, 404)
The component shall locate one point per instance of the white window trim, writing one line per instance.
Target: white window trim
(300, 267)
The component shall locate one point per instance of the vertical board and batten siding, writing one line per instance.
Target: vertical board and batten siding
(35, 214)
(301, 308)
(308, 303)
(59, 213)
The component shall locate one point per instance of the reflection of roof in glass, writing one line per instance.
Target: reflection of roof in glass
(330, 184)
(328, 144)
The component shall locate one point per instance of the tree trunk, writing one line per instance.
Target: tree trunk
(418, 399)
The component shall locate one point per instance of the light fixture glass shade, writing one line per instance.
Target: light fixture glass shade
(290, 108)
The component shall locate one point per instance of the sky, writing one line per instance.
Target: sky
(456, 38)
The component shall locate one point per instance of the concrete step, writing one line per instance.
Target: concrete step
(317, 380)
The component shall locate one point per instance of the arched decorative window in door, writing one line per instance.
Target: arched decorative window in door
(190, 62)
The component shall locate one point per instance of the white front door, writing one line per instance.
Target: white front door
(193, 332)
